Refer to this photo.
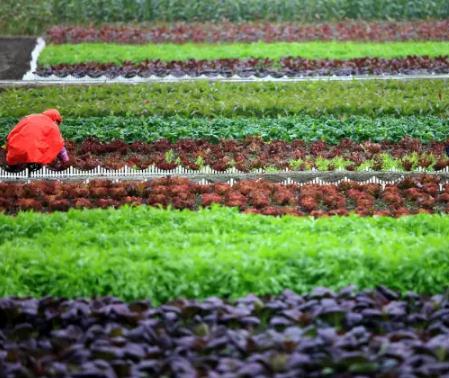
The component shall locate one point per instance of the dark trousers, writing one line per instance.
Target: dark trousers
(21, 167)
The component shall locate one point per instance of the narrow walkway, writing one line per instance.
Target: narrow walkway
(70, 80)
(38, 81)
(15, 57)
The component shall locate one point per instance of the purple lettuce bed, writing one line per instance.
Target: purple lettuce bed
(374, 333)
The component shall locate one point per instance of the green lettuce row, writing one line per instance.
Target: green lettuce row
(327, 128)
(195, 99)
(164, 254)
(119, 53)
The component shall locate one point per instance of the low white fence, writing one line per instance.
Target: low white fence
(206, 175)
(126, 171)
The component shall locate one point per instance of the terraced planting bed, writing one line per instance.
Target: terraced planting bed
(211, 229)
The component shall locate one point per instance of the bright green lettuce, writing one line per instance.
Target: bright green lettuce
(119, 53)
(163, 254)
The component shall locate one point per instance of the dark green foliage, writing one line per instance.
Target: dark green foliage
(24, 16)
(328, 128)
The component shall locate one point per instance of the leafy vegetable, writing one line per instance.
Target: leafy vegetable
(329, 128)
(119, 53)
(291, 67)
(342, 334)
(253, 153)
(21, 16)
(372, 98)
(421, 30)
(145, 252)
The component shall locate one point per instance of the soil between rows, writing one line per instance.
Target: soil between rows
(15, 57)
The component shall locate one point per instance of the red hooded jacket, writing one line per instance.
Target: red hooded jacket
(35, 139)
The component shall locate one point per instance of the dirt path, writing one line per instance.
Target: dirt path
(15, 56)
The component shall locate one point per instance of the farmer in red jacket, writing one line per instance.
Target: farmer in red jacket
(36, 140)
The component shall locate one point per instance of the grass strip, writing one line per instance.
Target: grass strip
(119, 53)
(330, 129)
(371, 98)
(164, 254)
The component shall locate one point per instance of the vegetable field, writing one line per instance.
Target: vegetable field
(254, 189)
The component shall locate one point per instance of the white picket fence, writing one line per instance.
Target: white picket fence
(126, 171)
(154, 172)
(292, 181)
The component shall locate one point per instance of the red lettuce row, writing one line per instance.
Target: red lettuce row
(251, 32)
(413, 195)
(288, 66)
(254, 153)
(376, 333)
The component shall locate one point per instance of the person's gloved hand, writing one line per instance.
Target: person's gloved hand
(63, 155)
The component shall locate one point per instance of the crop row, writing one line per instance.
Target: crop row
(330, 129)
(21, 16)
(119, 53)
(146, 252)
(258, 67)
(252, 32)
(207, 99)
(374, 333)
(422, 194)
(253, 153)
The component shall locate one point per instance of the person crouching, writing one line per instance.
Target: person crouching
(35, 141)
